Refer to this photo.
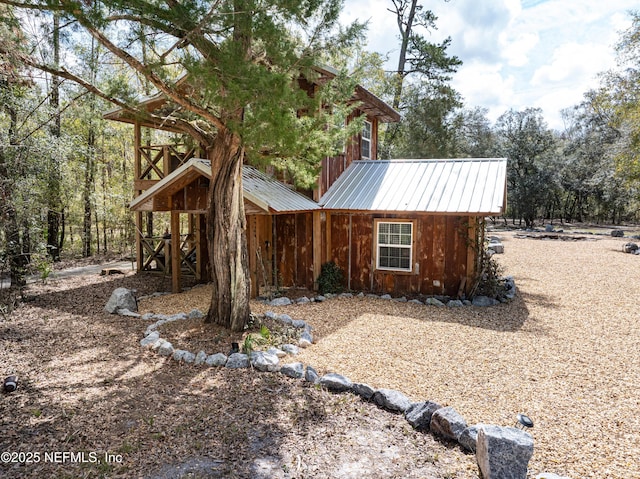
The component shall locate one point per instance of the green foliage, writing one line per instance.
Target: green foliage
(331, 278)
(490, 282)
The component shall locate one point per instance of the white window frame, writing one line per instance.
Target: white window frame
(384, 239)
(367, 129)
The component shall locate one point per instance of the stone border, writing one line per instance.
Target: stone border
(499, 450)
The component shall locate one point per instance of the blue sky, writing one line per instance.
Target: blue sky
(516, 53)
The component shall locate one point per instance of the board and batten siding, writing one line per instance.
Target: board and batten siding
(444, 260)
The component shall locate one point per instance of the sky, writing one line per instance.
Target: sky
(516, 54)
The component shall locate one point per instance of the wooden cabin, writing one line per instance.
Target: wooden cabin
(399, 226)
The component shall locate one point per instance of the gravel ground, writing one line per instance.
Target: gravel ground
(566, 352)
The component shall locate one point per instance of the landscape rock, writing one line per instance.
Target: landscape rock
(320, 298)
(336, 382)
(391, 400)
(434, 302)
(264, 361)
(416, 301)
(484, 301)
(290, 349)
(363, 390)
(311, 375)
(305, 340)
(283, 301)
(630, 248)
(130, 314)
(147, 316)
(503, 452)
(201, 357)
(285, 319)
(166, 349)
(178, 354)
(617, 233)
(345, 295)
(149, 339)
(401, 299)
(188, 357)
(448, 423)
(419, 414)
(217, 359)
(293, 370)
(298, 323)
(497, 248)
(469, 437)
(385, 296)
(237, 360)
(195, 314)
(455, 303)
(303, 300)
(121, 298)
(278, 352)
(271, 315)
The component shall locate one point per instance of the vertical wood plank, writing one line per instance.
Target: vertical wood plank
(175, 252)
(317, 247)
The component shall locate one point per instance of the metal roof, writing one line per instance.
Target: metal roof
(460, 186)
(262, 190)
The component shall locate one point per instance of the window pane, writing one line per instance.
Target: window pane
(404, 263)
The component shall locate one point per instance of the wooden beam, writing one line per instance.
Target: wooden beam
(175, 252)
(139, 252)
(472, 253)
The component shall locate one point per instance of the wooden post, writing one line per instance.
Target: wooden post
(175, 252)
(317, 247)
(328, 236)
(139, 251)
(198, 238)
(473, 250)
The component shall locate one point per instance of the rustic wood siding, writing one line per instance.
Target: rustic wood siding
(294, 249)
(440, 258)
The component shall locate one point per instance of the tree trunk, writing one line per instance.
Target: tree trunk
(226, 235)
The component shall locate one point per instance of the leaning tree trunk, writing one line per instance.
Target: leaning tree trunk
(226, 235)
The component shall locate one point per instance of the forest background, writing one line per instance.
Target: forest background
(66, 174)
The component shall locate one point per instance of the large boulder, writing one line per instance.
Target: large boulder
(448, 423)
(391, 400)
(121, 298)
(469, 438)
(419, 414)
(503, 452)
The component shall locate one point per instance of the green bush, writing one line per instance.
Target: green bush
(331, 278)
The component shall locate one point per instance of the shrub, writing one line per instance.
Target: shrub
(331, 278)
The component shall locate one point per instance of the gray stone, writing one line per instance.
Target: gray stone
(549, 475)
(293, 370)
(178, 354)
(617, 233)
(195, 314)
(237, 360)
(503, 452)
(345, 295)
(434, 302)
(311, 375)
(419, 414)
(455, 303)
(121, 298)
(283, 301)
(336, 382)
(217, 359)
(147, 316)
(448, 423)
(329, 295)
(391, 400)
(149, 339)
(299, 323)
(385, 296)
(374, 296)
(130, 314)
(156, 344)
(264, 362)
(416, 301)
(497, 248)
(320, 298)
(401, 299)
(271, 315)
(166, 349)
(360, 295)
(363, 390)
(548, 228)
(466, 302)
(306, 339)
(303, 300)
(188, 357)
(278, 352)
(630, 248)
(469, 437)
(201, 357)
(285, 319)
(484, 301)
(290, 349)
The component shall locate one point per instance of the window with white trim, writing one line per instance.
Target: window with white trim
(394, 245)
(365, 148)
